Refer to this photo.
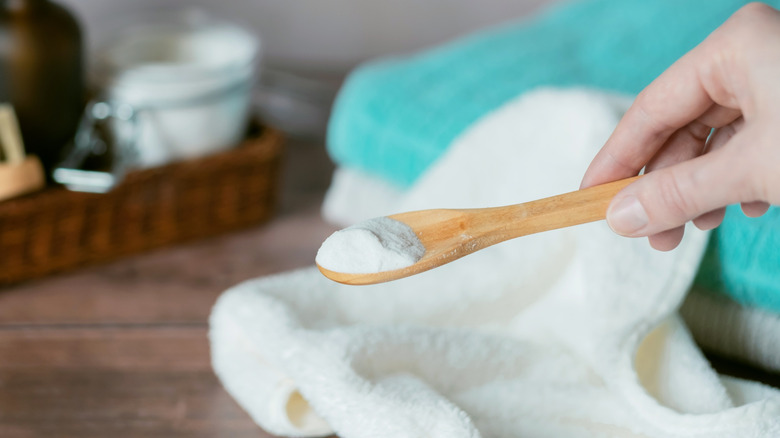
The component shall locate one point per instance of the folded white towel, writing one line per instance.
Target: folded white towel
(355, 196)
(571, 333)
(718, 324)
(723, 326)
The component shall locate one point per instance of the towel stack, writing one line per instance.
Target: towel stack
(397, 116)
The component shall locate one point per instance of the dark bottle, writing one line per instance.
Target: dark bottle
(41, 73)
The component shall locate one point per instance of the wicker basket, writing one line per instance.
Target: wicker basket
(56, 229)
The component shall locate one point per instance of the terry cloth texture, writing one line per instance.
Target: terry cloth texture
(571, 333)
(729, 329)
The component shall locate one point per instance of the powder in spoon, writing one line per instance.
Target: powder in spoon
(376, 245)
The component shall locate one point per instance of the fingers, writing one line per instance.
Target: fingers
(721, 136)
(672, 101)
(691, 172)
(719, 116)
(685, 144)
(667, 240)
(702, 85)
(717, 140)
(755, 209)
(710, 220)
(668, 198)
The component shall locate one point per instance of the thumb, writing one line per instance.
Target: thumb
(668, 198)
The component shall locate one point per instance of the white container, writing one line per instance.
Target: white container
(189, 85)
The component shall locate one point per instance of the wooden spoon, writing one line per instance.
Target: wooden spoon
(449, 234)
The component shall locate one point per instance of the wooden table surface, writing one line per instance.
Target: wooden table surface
(120, 350)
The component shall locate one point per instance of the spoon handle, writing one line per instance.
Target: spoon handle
(568, 209)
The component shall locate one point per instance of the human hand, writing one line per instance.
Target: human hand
(729, 83)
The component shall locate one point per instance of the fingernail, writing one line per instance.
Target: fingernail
(627, 216)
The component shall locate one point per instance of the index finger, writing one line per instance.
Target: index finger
(696, 85)
(671, 102)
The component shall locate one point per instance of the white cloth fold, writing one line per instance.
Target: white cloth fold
(723, 326)
(570, 333)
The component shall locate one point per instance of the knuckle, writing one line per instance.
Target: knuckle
(698, 131)
(622, 162)
(742, 24)
(674, 196)
(754, 9)
(754, 171)
(647, 108)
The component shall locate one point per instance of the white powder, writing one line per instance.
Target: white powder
(376, 245)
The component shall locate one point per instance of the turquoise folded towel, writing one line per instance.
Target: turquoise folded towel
(743, 259)
(394, 117)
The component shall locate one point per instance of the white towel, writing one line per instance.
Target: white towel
(571, 333)
(718, 324)
(723, 326)
(354, 196)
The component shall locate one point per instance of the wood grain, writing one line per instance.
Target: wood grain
(111, 347)
(51, 402)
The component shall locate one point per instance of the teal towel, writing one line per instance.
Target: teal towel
(394, 117)
(743, 259)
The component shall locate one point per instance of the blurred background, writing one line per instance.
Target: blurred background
(309, 45)
(154, 153)
(147, 103)
(323, 36)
